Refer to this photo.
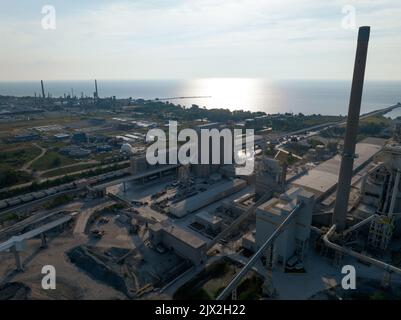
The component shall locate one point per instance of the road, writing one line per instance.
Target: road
(84, 216)
(27, 165)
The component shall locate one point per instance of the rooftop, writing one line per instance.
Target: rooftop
(179, 233)
(206, 216)
(324, 177)
(196, 202)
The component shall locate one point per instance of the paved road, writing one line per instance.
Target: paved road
(84, 216)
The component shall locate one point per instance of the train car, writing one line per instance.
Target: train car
(3, 205)
(27, 197)
(14, 201)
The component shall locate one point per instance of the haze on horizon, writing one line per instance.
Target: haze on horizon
(185, 39)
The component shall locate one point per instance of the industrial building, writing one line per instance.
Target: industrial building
(79, 137)
(208, 221)
(248, 242)
(75, 151)
(322, 180)
(293, 241)
(24, 137)
(214, 193)
(380, 196)
(182, 242)
(270, 176)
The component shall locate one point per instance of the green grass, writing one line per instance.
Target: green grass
(16, 156)
(378, 119)
(58, 201)
(12, 158)
(10, 216)
(10, 177)
(62, 171)
(316, 120)
(50, 160)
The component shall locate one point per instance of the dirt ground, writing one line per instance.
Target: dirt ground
(71, 283)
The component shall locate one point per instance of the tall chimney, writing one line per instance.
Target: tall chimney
(96, 93)
(43, 89)
(347, 162)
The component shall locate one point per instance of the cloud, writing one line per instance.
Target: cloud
(196, 38)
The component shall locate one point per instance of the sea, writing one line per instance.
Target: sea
(327, 97)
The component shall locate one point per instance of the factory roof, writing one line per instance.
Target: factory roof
(210, 125)
(179, 233)
(209, 218)
(198, 201)
(323, 179)
(285, 203)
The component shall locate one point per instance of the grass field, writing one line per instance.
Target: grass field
(379, 119)
(50, 160)
(61, 171)
(12, 158)
(16, 155)
(10, 127)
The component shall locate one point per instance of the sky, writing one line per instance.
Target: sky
(187, 39)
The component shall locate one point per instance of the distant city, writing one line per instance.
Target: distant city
(305, 96)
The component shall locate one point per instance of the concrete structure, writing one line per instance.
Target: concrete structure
(214, 193)
(138, 164)
(182, 242)
(397, 131)
(204, 170)
(270, 176)
(61, 136)
(323, 179)
(380, 195)
(209, 221)
(26, 137)
(347, 162)
(293, 241)
(75, 151)
(184, 173)
(231, 287)
(19, 243)
(249, 242)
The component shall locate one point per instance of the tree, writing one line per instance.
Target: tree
(56, 162)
